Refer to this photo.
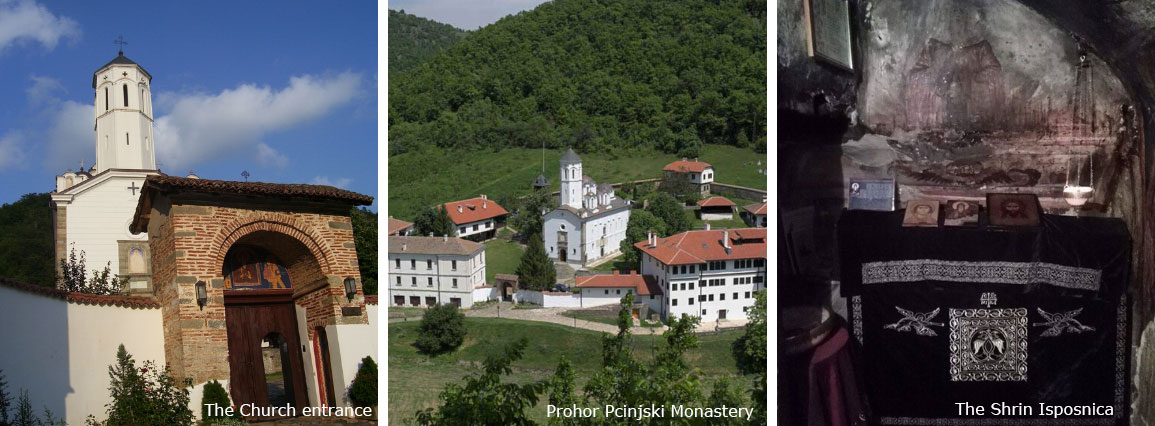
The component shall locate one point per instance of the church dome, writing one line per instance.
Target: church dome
(120, 59)
(570, 157)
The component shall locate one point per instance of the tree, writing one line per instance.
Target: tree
(442, 329)
(670, 211)
(750, 353)
(215, 394)
(433, 221)
(536, 271)
(5, 400)
(74, 278)
(24, 414)
(363, 392)
(529, 218)
(146, 396)
(365, 239)
(637, 230)
(726, 395)
(484, 399)
(26, 247)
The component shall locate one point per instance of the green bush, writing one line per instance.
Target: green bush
(215, 393)
(363, 391)
(442, 330)
(145, 396)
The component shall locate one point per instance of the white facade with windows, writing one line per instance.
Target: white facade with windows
(425, 271)
(718, 285)
(474, 228)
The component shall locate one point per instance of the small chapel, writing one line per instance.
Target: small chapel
(255, 285)
(589, 222)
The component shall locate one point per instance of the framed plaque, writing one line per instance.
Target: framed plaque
(828, 32)
(1013, 210)
(872, 194)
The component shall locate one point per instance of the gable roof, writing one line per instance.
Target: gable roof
(757, 208)
(692, 247)
(397, 225)
(716, 202)
(473, 210)
(432, 245)
(645, 285)
(684, 166)
(157, 184)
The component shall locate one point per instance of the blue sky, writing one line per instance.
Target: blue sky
(464, 14)
(286, 92)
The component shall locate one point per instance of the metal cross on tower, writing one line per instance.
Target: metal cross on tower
(120, 40)
(133, 187)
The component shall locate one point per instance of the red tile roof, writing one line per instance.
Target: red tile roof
(687, 166)
(702, 246)
(645, 284)
(716, 202)
(756, 208)
(81, 298)
(473, 210)
(397, 225)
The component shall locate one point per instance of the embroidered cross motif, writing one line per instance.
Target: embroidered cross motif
(988, 299)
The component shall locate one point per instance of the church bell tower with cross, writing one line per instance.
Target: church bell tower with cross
(124, 121)
(92, 208)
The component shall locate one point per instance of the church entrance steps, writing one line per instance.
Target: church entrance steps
(565, 273)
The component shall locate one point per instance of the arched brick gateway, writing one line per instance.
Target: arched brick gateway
(192, 225)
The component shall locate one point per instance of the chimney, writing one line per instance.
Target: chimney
(483, 203)
(695, 159)
(683, 159)
(707, 226)
(650, 239)
(726, 240)
(483, 197)
(445, 238)
(459, 208)
(404, 246)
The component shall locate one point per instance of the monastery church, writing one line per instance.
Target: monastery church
(589, 222)
(229, 281)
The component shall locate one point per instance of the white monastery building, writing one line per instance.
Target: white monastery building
(589, 223)
(608, 289)
(475, 218)
(712, 274)
(94, 207)
(699, 173)
(426, 271)
(755, 214)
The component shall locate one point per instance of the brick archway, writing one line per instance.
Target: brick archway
(240, 227)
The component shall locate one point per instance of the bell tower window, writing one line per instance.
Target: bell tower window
(125, 95)
(126, 138)
(106, 98)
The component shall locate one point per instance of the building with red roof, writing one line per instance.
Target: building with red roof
(699, 173)
(716, 208)
(476, 218)
(608, 289)
(399, 227)
(755, 214)
(713, 274)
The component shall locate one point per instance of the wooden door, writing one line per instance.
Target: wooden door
(248, 324)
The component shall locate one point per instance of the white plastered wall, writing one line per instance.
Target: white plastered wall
(348, 344)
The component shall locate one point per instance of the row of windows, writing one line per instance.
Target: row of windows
(709, 298)
(125, 96)
(429, 284)
(463, 229)
(429, 301)
(429, 264)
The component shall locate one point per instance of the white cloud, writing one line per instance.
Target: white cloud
(204, 126)
(69, 136)
(325, 180)
(43, 89)
(11, 151)
(25, 21)
(267, 156)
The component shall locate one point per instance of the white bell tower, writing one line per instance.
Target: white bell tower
(571, 180)
(123, 106)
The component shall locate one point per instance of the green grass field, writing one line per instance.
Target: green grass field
(423, 179)
(586, 316)
(415, 380)
(501, 257)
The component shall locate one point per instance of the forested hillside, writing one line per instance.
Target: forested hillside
(595, 75)
(26, 240)
(413, 39)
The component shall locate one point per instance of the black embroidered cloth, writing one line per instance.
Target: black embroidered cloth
(1002, 319)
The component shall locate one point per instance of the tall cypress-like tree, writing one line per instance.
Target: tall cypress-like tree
(5, 400)
(433, 221)
(536, 271)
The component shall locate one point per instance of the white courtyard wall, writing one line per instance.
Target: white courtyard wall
(348, 344)
(717, 216)
(65, 349)
(482, 294)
